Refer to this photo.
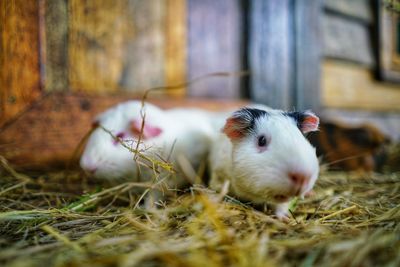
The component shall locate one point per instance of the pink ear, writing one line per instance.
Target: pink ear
(149, 131)
(310, 122)
(232, 128)
(241, 122)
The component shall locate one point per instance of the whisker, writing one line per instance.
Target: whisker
(344, 159)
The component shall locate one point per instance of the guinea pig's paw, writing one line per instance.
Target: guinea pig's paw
(282, 212)
(283, 216)
(310, 193)
(151, 199)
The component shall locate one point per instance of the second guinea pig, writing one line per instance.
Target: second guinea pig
(167, 135)
(265, 157)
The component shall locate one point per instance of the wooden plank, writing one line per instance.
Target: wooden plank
(347, 39)
(97, 33)
(387, 33)
(215, 44)
(47, 135)
(175, 44)
(56, 45)
(357, 9)
(307, 54)
(144, 56)
(19, 56)
(350, 86)
(270, 55)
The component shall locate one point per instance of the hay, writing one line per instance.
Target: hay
(64, 219)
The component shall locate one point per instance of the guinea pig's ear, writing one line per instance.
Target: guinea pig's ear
(239, 124)
(149, 130)
(307, 121)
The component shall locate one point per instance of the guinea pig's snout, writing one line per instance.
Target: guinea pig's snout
(299, 180)
(88, 166)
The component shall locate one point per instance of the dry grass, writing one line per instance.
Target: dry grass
(64, 219)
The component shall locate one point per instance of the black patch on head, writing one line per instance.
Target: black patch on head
(254, 112)
(248, 117)
(298, 117)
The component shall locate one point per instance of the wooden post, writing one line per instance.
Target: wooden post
(175, 45)
(19, 56)
(97, 31)
(270, 55)
(308, 45)
(56, 45)
(215, 39)
(284, 55)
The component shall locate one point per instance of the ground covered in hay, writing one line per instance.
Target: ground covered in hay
(63, 219)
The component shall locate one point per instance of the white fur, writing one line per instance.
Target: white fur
(255, 176)
(260, 176)
(185, 132)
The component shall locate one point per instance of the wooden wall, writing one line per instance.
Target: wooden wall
(348, 69)
(98, 32)
(96, 46)
(19, 56)
(284, 53)
(350, 90)
(111, 46)
(93, 46)
(215, 44)
(64, 61)
(55, 43)
(132, 45)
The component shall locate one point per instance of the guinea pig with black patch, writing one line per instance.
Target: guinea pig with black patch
(265, 157)
(346, 147)
(166, 135)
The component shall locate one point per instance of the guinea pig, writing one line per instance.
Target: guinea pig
(349, 147)
(167, 135)
(265, 156)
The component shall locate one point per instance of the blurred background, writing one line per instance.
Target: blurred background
(63, 61)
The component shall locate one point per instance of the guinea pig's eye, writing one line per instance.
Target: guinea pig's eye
(262, 141)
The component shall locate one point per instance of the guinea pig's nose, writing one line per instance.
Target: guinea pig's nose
(299, 179)
(88, 165)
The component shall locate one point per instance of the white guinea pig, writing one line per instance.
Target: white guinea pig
(166, 133)
(264, 155)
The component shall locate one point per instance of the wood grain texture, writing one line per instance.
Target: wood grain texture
(308, 43)
(346, 39)
(270, 55)
(47, 135)
(19, 56)
(56, 45)
(350, 86)
(215, 43)
(285, 53)
(144, 65)
(357, 9)
(97, 33)
(175, 44)
(388, 57)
